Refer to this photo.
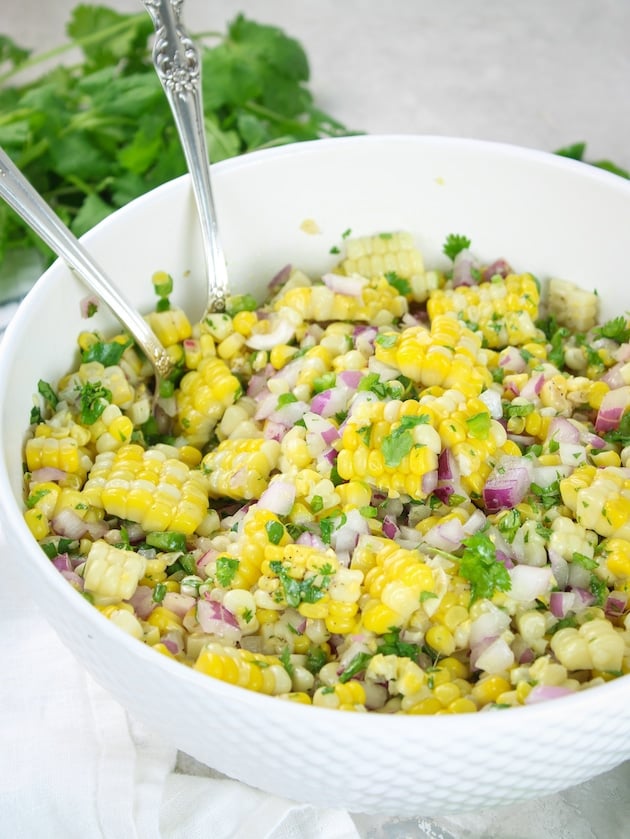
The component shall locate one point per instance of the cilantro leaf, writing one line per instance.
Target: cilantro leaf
(107, 353)
(621, 434)
(225, 570)
(454, 244)
(401, 285)
(399, 442)
(480, 566)
(615, 329)
(93, 399)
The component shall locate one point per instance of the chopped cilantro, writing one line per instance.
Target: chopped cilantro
(509, 525)
(368, 512)
(241, 303)
(324, 382)
(357, 665)
(519, 410)
(392, 645)
(479, 425)
(454, 244)
(568, 621)
(275, 531)
(427, 595)
(397, 445)
(584, 561)
(285, 659)
(45, 390)
(387, 340)
(480, 566)
(317, 503)
(598, 589)
(159, 592)
(226, 568)
(548, 496)
(36, 496)
(93, 399)
(616, 329)
(168, 540)
(107, 353)
(401, 285)
(365, 433)
(316, 657)
(309, 590)
(621, 434)
(328, 525)
(286, 399)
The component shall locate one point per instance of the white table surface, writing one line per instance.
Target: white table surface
(543, 74)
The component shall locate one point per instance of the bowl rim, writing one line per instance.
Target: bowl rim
(16, 527)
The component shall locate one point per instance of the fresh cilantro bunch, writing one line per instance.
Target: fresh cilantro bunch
(94, 135)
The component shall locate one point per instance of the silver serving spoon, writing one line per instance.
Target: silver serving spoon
(19, 194)
(177, 64)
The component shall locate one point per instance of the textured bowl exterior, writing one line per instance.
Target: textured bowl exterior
(545, 214)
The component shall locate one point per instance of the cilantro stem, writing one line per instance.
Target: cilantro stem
(100, 35)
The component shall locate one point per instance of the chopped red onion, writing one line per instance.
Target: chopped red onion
(350, 378)
(312, 540)
(289, 414)
(340, 284)
(533, 386)
(542, 693)
(499, 267)
(329, 402)
(448, 535)
(62, 563)
(280, 278)
(561, 603)
(464, 267)
(215, 619)
(178, 603)
(563, 430)
(68, 524)
(492, 400)
(390, 528)
(495, 658)
(74, 579)
(614, 404)
(616, 604)
(142, 601)
(508, 483)
(47, 473)
(346, 536)
(282, 332)
(530, 582)
(278, 498)
(512, 361)
(89, 305)
(274, 430)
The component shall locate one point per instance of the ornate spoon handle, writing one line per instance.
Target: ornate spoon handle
(19, 194)
(177, 64)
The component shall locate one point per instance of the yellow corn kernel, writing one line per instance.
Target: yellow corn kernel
(164, 619)
(488, 690)
(463, 705)
(440, 639)
(37, 523)
(431, 705)
(243, 322)
(281, 354)
(605, 458)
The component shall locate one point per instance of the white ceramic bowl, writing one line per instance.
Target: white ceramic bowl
(545, 214)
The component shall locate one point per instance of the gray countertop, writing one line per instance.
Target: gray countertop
(543, 74)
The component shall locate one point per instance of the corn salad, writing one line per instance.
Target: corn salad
(393, 488)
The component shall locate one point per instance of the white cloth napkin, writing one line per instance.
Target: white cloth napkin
(74, 764)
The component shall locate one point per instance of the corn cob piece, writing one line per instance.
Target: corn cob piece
(503, 311)
(599, 499)
(112, 378)
(239, 468)
(202, 398)
(112, 574)
(571, 305)
(252, 545)
(393, 445)
(148, 487)
(378, 303)
(394, 585)
(448, 355)
(254, 671)
(63, 453)
(595, 645)
(390, 253)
